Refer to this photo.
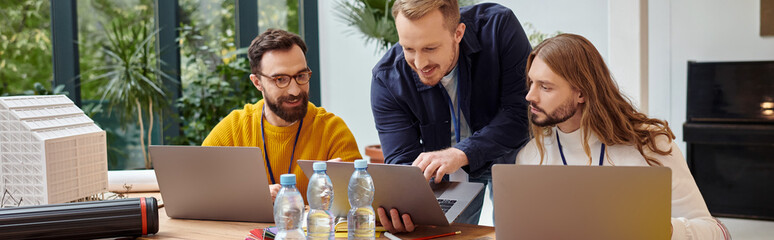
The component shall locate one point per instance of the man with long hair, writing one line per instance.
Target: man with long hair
(577, 113)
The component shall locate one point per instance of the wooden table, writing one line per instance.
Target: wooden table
(200, 229)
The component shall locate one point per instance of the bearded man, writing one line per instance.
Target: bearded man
(284, 124)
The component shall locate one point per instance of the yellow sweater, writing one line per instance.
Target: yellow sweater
(323, 136)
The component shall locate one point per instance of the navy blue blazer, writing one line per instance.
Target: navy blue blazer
(412, 118)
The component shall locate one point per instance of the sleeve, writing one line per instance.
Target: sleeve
(342, 142)
(223, 133)
(690, 217)
(528, 155)
(398, 131)
(509, 128)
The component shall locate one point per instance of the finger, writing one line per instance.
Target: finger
(335, 160)
(418, 162)
(408, 223)
(384, 220)
(430, 170)
(274, 189)
(440, 173)
(396, 223)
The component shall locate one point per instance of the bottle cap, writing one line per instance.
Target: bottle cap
(319, 166)
(361, 163)
(288, 179)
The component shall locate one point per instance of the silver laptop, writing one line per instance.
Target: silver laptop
(581, 202)
(404, 188)
(213, 183)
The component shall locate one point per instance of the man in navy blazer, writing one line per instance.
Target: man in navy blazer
(451, 93)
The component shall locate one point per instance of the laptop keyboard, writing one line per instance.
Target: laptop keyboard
(446, 204)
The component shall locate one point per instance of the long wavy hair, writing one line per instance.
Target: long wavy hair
(606, 112)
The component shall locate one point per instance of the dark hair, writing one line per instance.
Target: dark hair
(271, 39)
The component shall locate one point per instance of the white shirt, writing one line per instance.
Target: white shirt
(449, 83)
(690, 217)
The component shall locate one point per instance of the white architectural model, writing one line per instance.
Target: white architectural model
(50, 151)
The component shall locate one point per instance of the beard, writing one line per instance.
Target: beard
(435, 78)
(561, 114)
(290, 114)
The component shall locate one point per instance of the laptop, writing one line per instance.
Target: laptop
(404, 188)
(581, 202)
(213, 183)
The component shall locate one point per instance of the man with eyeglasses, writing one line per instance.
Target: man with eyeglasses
(284, 124)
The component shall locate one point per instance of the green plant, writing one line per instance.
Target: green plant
(373, 19)
(25, 45)
(40, 89)
(130, 79)
(210, 96)
(536, 37)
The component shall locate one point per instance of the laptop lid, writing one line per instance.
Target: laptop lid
(213, 183)
(581, 202)
(404, 188)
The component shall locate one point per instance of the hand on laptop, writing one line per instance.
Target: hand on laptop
(440, 163)
(396, 225)
(274, 189)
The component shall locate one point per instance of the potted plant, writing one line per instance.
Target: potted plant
(130, 80)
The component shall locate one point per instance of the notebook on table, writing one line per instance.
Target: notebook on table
(213, 183)
(404, 188)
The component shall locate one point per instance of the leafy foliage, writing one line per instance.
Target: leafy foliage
(536, 37)
(210, 97)
(25, 45)
(131, 74)
(129, 78)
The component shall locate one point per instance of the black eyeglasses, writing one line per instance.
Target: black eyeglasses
(283, 80)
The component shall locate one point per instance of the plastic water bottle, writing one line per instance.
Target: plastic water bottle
(361, 220)
(289, 209)
(320, 196)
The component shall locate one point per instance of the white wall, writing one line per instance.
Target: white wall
(346, 60)
(701, 30)
(628, 49)
(588, 18)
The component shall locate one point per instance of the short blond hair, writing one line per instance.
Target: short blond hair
(415, 9)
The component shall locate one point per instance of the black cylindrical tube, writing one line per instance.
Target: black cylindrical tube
(83, 220)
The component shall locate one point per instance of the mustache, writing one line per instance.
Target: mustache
(536, 107)
(290, 98)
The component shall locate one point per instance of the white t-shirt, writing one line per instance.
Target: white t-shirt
(690, 217)
(449, 83)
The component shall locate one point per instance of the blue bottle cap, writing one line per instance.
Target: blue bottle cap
(319, 166)
(288, 179)
(362, 163)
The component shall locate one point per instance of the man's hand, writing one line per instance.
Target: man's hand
(440, 163)
(396, 225)
(274, 189)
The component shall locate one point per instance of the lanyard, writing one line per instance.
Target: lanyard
(266, 152)
(601, 154)
(455, 117)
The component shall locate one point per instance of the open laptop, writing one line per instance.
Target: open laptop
(581, 202)
(404, 188)
(213, 183)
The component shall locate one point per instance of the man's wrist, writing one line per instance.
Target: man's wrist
(460, 156)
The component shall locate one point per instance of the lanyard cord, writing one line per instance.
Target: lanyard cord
(561, 152)
(455, 117)
(266, 152)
